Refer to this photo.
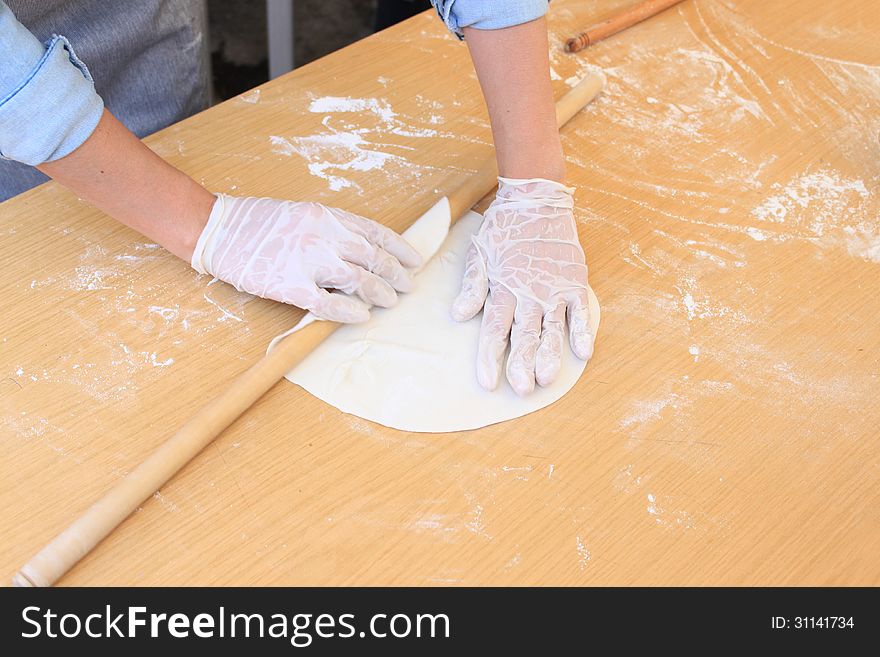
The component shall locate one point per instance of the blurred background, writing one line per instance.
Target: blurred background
(239, 42)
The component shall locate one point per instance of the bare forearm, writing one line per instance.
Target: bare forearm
(513, 67)
(118, 174)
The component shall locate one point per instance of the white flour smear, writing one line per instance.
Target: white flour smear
(828, 208)
(329, 154)
(352, 141)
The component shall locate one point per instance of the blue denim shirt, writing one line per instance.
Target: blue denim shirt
(48, 104)
(487, 14)
(149, 60)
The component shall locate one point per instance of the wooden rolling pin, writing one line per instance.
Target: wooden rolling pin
(620, 21)
(71, 545)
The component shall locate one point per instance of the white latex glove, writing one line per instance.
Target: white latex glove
(527, 258)
(291, 251)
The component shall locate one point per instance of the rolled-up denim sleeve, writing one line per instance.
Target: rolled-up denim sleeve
(487, 14)
(48, 103)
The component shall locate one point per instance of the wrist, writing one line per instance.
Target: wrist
(532, 159)
(118, 174)
(554, 171)
(191, 215)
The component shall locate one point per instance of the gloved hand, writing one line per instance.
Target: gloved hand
(291, 252)
(527, 258)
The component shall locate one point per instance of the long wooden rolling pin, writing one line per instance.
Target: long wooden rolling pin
(620, 21)
(71, 545)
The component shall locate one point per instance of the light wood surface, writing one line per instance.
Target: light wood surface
(85, 532)
(724, 433)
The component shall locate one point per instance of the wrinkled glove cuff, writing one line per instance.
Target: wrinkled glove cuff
(528, 192)
(204, 251)
(516, 182)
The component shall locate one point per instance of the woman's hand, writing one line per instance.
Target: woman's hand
(280, 250)
(295, 252)
(528, 268)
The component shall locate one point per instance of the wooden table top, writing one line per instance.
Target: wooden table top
(725, 432)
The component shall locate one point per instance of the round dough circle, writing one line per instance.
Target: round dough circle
(412, 367)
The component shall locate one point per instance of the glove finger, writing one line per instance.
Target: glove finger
(382, 236)
(524, 339)
(474, 286)
(360, 251)
(494, 333)
(548, 360)
(580, 334)
(356, 280)
(337, 307)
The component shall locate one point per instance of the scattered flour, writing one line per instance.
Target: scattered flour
(168, 314)
(225, 312)
(476, 523)
(757, 235)
(328, 104)
(863, 241)
(824, 206)
(698, 305)
(647, 410)
(336, 151)
(429, 522)
(626, 481)
(88, 278)
(252, 96)
(690, 305)
(816, 201)
(669, 519)
(583, 552)
(165, 502)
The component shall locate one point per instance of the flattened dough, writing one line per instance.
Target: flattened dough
(411, 367)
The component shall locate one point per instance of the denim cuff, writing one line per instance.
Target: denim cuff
(52, 111)
(487, 14)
